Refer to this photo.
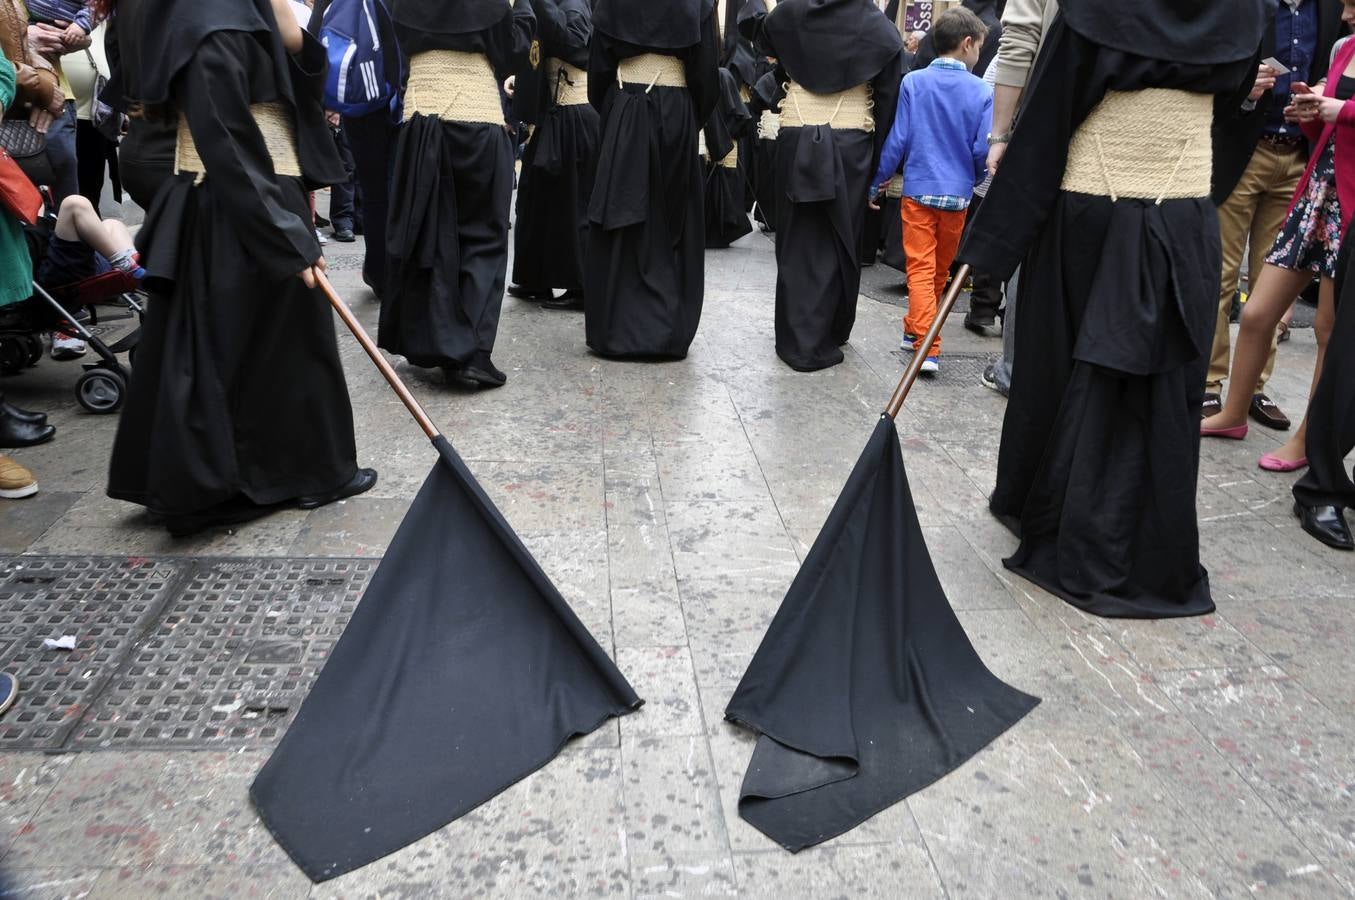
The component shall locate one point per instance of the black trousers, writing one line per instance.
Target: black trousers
(343, 206)
(1331, 411)
(95, 155)
(371, 140)
(986, 299)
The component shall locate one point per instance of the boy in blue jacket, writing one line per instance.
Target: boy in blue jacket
(940, 135)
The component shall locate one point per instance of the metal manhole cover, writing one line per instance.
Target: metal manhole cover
(230, 659)
(106, 604)
(956, 368)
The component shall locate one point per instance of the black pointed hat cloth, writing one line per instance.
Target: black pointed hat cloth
(462, 671)
(865, 688)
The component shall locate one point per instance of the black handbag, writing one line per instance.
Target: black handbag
(28, 146)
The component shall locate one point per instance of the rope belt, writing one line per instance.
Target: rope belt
(894, 188)
(1152, 144)
(848, 110)
(652, 69)
(732, 160)
(453, 86)
(279, 136)
(571, 84)
(768, 126)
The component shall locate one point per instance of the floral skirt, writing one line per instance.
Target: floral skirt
(1310, 238)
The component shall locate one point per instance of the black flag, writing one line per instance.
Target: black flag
(865, 688)
(462, 671)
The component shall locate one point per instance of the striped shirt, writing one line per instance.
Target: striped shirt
(50, 11)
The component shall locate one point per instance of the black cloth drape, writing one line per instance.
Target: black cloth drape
(823, 174)
(729, 125)
(865, 688)
(229, 320)
(462, 671)
(644, 280)
(560, 162)
(1331, 411)
(448, 230)
(1100, 444)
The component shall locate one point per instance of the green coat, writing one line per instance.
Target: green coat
(16, 268)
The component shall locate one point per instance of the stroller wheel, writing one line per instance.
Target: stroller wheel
(101, 391)
(35, 349)
(13, 353)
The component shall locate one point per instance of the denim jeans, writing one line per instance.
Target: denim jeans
(61, 154)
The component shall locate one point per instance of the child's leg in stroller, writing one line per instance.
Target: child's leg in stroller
(77, 221)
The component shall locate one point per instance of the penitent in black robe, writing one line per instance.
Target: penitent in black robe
(823, 174)
(452, 185)
(560, 160)
(206, 426)
(726, 216)
(645, 275)
(1100, 445)
(764, 97)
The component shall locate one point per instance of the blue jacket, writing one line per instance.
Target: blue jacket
(940, 133)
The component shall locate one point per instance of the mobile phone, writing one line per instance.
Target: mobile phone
(1279, 67)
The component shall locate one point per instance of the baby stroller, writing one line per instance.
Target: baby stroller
(53, 308)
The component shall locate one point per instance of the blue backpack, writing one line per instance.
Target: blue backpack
(366, 69)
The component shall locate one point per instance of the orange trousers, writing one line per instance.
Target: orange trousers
(931, 238)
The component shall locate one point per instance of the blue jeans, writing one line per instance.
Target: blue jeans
(61, 154)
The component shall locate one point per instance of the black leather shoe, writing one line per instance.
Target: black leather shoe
(1264, 411)
(571, 300)
(362, 481)
(344, 235)
(22, 415)
(17, 433)
(490, 377)
(1212, 406)
(233, 513)
(523, 293)
(1327, 524)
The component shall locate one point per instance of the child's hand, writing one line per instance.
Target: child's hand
(74, 36)
(873, 199)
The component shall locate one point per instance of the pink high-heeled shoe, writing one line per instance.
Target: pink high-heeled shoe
(1236, 433)
(1272, 463)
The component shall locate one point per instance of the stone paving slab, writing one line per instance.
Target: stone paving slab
(673, 504)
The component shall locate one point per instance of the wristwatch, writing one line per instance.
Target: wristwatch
(999, 138)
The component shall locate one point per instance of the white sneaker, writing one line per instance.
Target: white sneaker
(321, 238)
(908, 343)
(931, 365)
(66, 347)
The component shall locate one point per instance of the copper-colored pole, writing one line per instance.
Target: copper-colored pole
(920, 352)
(387, 371)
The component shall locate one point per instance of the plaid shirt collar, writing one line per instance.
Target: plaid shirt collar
(946, 62)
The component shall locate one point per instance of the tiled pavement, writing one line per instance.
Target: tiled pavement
(672, 503)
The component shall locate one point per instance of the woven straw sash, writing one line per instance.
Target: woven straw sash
(848, 110)
(768, 126)
(894, 188)
(652, 69)
(279, 135)
(1152, 144)
(732, 160)
(453, 86)
(571, 84)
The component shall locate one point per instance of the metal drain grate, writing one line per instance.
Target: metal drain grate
(956, 368)
(231, 658)
(107, 604)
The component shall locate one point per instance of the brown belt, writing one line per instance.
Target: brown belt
(1283, 143)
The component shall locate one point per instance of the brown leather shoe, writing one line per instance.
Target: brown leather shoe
(1265, 412)
(1212, 406)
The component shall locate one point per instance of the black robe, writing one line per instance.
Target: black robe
(1100, 445)
(726, 215)
(229, 321)
(645, 275)
(560, 160)
(451, 187)
(823, 175)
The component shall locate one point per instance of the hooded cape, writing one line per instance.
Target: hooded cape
(1204, 32)
(852, 33)
(449, 16)
(663, 25)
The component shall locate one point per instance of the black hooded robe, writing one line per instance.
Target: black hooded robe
(726, 215)
(823, 174)
(764, 104)
(451, 188)
(560, 161)
(229, 321)
(645, 275)
(1100, 445)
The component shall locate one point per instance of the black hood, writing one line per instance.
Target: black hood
(661, 24)
(831, 45)
(449, 16)
(1208, 32)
